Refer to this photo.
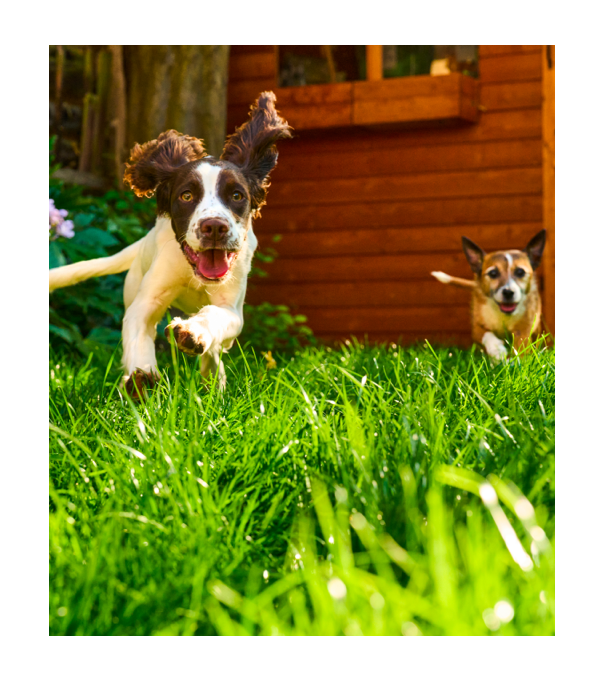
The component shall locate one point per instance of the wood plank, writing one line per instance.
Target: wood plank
(321, 94)
(305, 297)
(247, 91)
(509, 96)
(408, 187)
(254, 65)
(316, 107)
(370, 241)
(318, 117)
(413, 99)
(401, 88)
(319, 162)
(493, 126)
(386, 320)
(548, 57)
(520, 67)
(496, 50)
(450, 211)
(371, 268)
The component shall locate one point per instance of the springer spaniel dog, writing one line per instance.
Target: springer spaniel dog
(199, 253)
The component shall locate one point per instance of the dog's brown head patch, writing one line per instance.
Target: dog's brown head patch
(252, 147)
(154, 162)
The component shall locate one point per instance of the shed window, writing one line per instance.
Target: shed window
(307, 65)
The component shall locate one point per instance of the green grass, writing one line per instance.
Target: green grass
(364, 490)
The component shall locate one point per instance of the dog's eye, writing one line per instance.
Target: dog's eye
(237, 196)
(186, 196)
(493, 273)
(519, 272)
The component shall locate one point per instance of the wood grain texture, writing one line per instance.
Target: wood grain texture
(393, 187)
(368, 241)
(411, 213)
(310, 162)
(310, 296)
(393, 320)
(493, 50)
(515, 67)
(369, 268)
(415, 99)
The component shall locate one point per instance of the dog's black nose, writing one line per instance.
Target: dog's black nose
(213, 229)
(508, 294)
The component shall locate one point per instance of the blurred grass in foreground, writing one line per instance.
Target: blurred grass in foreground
(362, 490)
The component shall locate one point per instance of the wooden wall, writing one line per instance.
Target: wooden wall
(365, 215)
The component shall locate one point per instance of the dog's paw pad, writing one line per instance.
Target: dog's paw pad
(139, 384)
(186, 340)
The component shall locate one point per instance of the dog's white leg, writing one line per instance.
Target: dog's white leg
(494, 346)
(141, 319)
(208, 333)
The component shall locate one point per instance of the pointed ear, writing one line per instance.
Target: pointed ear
(153, 162)
(252, 146)
(535, 248)
(474, 254)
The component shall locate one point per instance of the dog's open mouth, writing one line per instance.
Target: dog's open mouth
(508, 308)
(210, 264)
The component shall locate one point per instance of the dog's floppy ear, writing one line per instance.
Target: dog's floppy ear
(153, 162)
(535, 248)
(474, 254)
(252, 146)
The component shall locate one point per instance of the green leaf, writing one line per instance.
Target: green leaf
(55, 256)
(95, 237)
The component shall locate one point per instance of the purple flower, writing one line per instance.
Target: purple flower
(66, 229)
(58, 223)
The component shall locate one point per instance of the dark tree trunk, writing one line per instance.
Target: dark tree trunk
(182, 87)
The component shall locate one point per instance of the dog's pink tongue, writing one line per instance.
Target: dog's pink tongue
(213, 264)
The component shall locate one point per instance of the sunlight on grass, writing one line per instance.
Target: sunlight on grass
(361, 490)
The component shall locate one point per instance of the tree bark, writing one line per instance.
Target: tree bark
(182, 87)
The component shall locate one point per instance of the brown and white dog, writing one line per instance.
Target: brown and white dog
(505, 297)
(199, 253)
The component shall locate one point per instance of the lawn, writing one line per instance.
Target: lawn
(355, 490)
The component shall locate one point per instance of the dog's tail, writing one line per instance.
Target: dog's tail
(454, 281)
(80, 271)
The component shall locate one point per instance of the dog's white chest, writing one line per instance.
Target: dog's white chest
(192, 301)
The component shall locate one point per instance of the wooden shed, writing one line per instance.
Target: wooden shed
(383, 178)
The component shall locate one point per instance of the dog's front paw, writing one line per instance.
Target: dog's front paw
(140, 383)
(190, 336)
(494, 347)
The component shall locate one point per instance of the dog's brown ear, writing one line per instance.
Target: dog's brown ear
(153, 162)
(474, 254)
(535, 248)
(252, 146)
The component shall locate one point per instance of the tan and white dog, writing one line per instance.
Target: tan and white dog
(506, 301)
(198, 255)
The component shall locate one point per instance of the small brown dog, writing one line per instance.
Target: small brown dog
(506, 300)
